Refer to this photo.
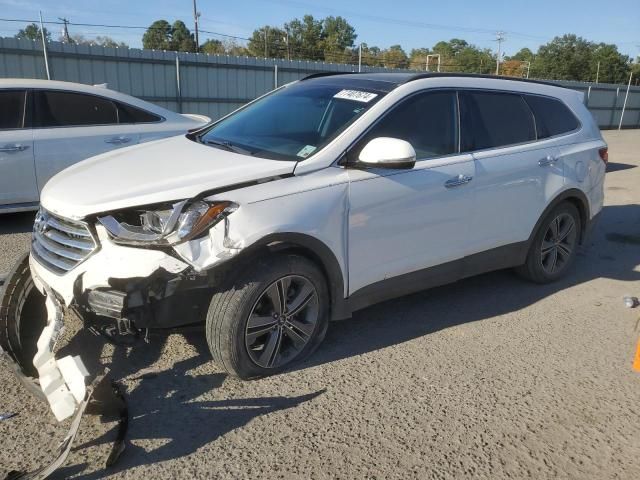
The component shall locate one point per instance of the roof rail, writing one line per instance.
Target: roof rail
(418, 76)
(325, 74)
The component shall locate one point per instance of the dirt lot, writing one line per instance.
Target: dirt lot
(491, 377)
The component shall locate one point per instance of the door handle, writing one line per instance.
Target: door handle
(458, 181)
(14, 148)
(118, 140)
(547, 161)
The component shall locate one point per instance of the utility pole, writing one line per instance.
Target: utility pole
(359, 58)
(286, 39)
(266, 34)
(499, 39)
(65, 31)
(598, 72)
(196, 14)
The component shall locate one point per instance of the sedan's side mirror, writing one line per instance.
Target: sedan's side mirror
(387, 152)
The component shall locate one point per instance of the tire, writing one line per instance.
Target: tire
(23, 316)
(539, 266)
(243, 319)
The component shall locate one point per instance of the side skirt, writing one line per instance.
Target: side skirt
(507, 256)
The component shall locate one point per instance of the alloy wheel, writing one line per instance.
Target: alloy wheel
(558, 243)
(282, 321)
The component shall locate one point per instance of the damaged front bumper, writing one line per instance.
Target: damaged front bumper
(142, 288)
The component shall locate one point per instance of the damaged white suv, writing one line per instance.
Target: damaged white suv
(316, 200)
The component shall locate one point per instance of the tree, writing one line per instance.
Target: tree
(181, 38)
(268, 42)
(524, 55)
(418, 58)
(395, 57)
(337, 38)
(305, 38)
(32, 32)
(101, 41)
(157, 36)
(213, 47)
(614, 66)
(573, 58)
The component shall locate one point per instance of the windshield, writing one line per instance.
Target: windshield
(292, 123)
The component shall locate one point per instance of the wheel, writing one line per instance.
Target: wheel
(554, 246)
(23, 316)
(269, 317)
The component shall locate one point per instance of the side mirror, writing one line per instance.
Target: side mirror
(386, 152)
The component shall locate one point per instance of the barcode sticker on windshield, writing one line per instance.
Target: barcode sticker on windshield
(356, 95)
(306, 151)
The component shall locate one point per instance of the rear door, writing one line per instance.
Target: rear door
(17, 172)
(515, 174)
(70, 127)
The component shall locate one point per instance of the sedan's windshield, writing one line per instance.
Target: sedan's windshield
(292, 123)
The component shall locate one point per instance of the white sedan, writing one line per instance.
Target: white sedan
(45, 126)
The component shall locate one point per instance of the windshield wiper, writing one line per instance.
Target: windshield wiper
(228, 146)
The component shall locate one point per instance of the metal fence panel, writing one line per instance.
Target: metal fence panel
(215, 85)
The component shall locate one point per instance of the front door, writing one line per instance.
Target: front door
(402, 221)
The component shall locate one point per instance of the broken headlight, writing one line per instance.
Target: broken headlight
(165, 225)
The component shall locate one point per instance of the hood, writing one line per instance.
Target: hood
(174, 168)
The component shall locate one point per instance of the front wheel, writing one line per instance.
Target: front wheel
(554, 246)
(273, 315)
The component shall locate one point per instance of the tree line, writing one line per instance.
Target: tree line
(333, 39)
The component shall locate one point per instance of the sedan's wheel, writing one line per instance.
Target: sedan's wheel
(282, 321)
(554, 246)
(272, 315)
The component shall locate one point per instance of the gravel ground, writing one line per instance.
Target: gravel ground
(490, 377)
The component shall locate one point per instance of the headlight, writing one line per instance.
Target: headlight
(165, 225)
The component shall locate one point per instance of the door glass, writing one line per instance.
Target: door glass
(11, 109)
(552, 116)
(493, 119)
(129, 114)
(63, 109)
(427, 121)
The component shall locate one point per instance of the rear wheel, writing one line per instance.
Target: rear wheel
(23, 316)
(554, 246)
(273, 315)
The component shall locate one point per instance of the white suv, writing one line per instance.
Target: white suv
(316, 200)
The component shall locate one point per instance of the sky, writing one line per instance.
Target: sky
(412, 24)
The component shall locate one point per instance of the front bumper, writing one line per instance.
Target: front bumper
(134, 273)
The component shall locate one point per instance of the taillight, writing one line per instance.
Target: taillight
(604, 154)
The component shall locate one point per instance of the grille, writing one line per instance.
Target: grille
(60, 244)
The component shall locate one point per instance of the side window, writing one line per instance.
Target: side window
(129, 114)
(494, 119)
(428, 121)
(12, 109)
(552, 116)
(63, 109)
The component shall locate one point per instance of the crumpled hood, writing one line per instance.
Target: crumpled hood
(170, 169)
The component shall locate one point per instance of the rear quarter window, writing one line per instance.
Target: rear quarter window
(494, 119)
(552, 116)
(129, 114)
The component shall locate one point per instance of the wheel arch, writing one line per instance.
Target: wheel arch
(310, 247)
(578, 199)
